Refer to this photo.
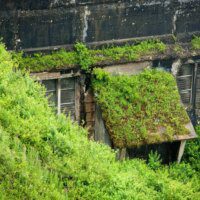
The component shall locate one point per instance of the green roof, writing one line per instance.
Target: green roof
(140, 109)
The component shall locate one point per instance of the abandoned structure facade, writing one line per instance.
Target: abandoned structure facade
(44, 26)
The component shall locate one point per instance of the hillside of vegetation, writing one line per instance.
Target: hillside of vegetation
(44, 156)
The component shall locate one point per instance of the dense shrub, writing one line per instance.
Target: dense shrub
(44, 156)
(192, 152)
(22, 176)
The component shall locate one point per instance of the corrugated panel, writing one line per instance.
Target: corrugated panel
(68, 83)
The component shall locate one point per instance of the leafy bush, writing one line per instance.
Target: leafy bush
(83, 56)
(154, 160)
(44, 156)
(147, 104)
(22, 174)
(46, 62)
(192, 152)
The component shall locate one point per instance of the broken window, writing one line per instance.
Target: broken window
(188, 80)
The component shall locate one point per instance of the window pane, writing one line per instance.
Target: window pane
(67, 83)
(68, 109)
(67, 96)
(185, 97)
(198, 99)
(50, 84)
(52, 97)
(184, 83)
(186, 70)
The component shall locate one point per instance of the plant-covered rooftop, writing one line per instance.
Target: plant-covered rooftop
(84, 57)
(140, 109)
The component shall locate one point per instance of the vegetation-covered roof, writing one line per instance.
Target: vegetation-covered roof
(140, 109)
(84, 58)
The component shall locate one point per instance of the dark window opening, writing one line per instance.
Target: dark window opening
(188, 81)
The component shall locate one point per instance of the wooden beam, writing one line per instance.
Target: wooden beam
(122, 154)
(181, 150)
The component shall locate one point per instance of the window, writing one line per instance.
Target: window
(61, 93)
(188, 80)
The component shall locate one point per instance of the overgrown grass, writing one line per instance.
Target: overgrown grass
(43, 156)
(140, 109)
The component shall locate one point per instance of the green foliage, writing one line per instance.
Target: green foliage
(86, 58)
(178, 48)
(196, 42)
(42, 62)
(21, 174)
(43, 156)
(128, 52)
(192, 152)
(182, 172)
(154, 161)
(147, 104)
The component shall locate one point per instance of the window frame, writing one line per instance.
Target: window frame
(57, 76)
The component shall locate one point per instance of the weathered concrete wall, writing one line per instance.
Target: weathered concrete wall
(42, 23)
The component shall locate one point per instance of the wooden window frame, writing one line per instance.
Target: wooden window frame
(58, 77)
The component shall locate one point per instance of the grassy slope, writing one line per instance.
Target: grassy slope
(44, 156)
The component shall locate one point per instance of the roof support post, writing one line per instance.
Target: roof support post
(181, 150)
(122, 154)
